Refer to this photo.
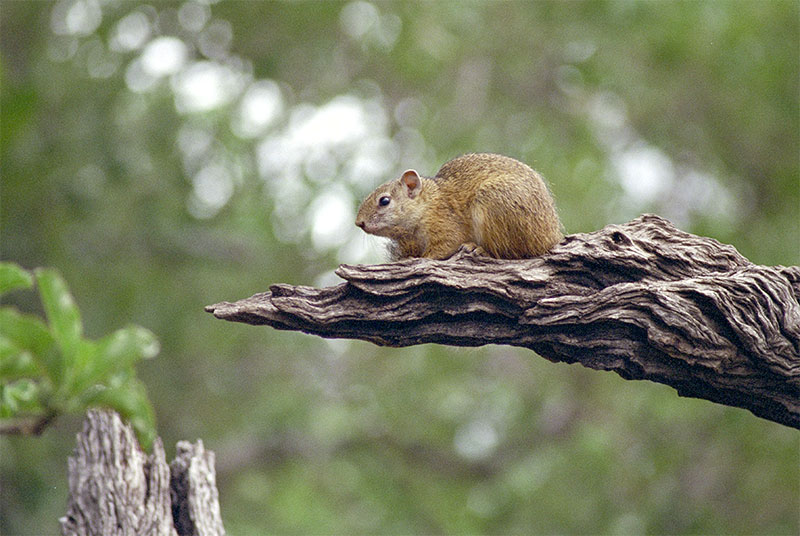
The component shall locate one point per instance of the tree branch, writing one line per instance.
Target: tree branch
(643, 299)
(29, 425)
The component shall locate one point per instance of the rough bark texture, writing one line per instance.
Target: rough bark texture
(193, 489)
(117, 489)
(643, 299)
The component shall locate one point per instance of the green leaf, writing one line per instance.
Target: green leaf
(18, 397)
(14, 362)
(13, 277)
(118, 351)
(28, 333)
(126, 346)
(62, 313)
(79, 377)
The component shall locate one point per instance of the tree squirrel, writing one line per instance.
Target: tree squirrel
(491, 203)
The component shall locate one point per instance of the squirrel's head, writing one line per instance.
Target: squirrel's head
(393, 210)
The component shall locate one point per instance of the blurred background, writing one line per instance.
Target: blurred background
(168, 155)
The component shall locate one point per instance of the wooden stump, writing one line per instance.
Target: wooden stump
(117, 489)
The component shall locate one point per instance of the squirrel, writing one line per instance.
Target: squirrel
(489, 203)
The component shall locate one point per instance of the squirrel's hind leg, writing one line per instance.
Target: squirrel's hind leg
(495, 228)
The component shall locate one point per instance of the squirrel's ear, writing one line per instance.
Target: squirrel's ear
(411, 181)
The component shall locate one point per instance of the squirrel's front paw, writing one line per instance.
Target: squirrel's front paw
(471, 249)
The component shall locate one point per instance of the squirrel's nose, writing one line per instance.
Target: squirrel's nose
(360, 223)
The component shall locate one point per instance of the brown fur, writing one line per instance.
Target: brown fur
(488, 201)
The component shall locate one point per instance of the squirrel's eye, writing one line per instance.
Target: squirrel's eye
(383, 201)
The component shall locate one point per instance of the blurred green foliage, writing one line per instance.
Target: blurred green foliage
(170, 155)
(50, 369)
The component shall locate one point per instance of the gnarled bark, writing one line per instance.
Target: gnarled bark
(643, 299)
(117, 489)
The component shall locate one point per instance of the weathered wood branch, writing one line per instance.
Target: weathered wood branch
(117, 489)
(643, 299)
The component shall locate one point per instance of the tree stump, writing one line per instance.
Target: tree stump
(117, 489)
(642, 299)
